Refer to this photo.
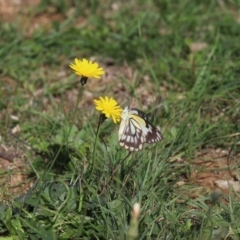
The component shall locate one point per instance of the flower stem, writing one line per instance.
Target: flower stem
(76, 106)
(68, 133)
(100, 121)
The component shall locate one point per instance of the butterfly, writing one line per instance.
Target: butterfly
(135, 130)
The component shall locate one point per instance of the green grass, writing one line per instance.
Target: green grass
(200, 108)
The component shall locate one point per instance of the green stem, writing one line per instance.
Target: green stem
(76, 106)
(100, 121)
(60, 148)
(70, 129)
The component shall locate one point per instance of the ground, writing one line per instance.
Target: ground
(211, 168)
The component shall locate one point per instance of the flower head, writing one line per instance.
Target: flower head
(109, 107)
(86, 69)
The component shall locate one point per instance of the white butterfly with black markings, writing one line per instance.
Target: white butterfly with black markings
(135, 130)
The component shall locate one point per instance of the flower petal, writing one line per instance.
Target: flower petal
(109, 107)
(86, 68)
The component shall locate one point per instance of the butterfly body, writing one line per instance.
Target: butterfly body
(135, 130)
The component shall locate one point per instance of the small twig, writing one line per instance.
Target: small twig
(114, 171)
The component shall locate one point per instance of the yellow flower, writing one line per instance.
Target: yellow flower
(87, 68)
(109, 107)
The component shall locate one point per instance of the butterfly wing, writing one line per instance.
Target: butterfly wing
(130, 133)
(135, 130)
(153, 135)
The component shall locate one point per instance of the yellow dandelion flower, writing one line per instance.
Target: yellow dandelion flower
(87, 68)
(109, 107)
